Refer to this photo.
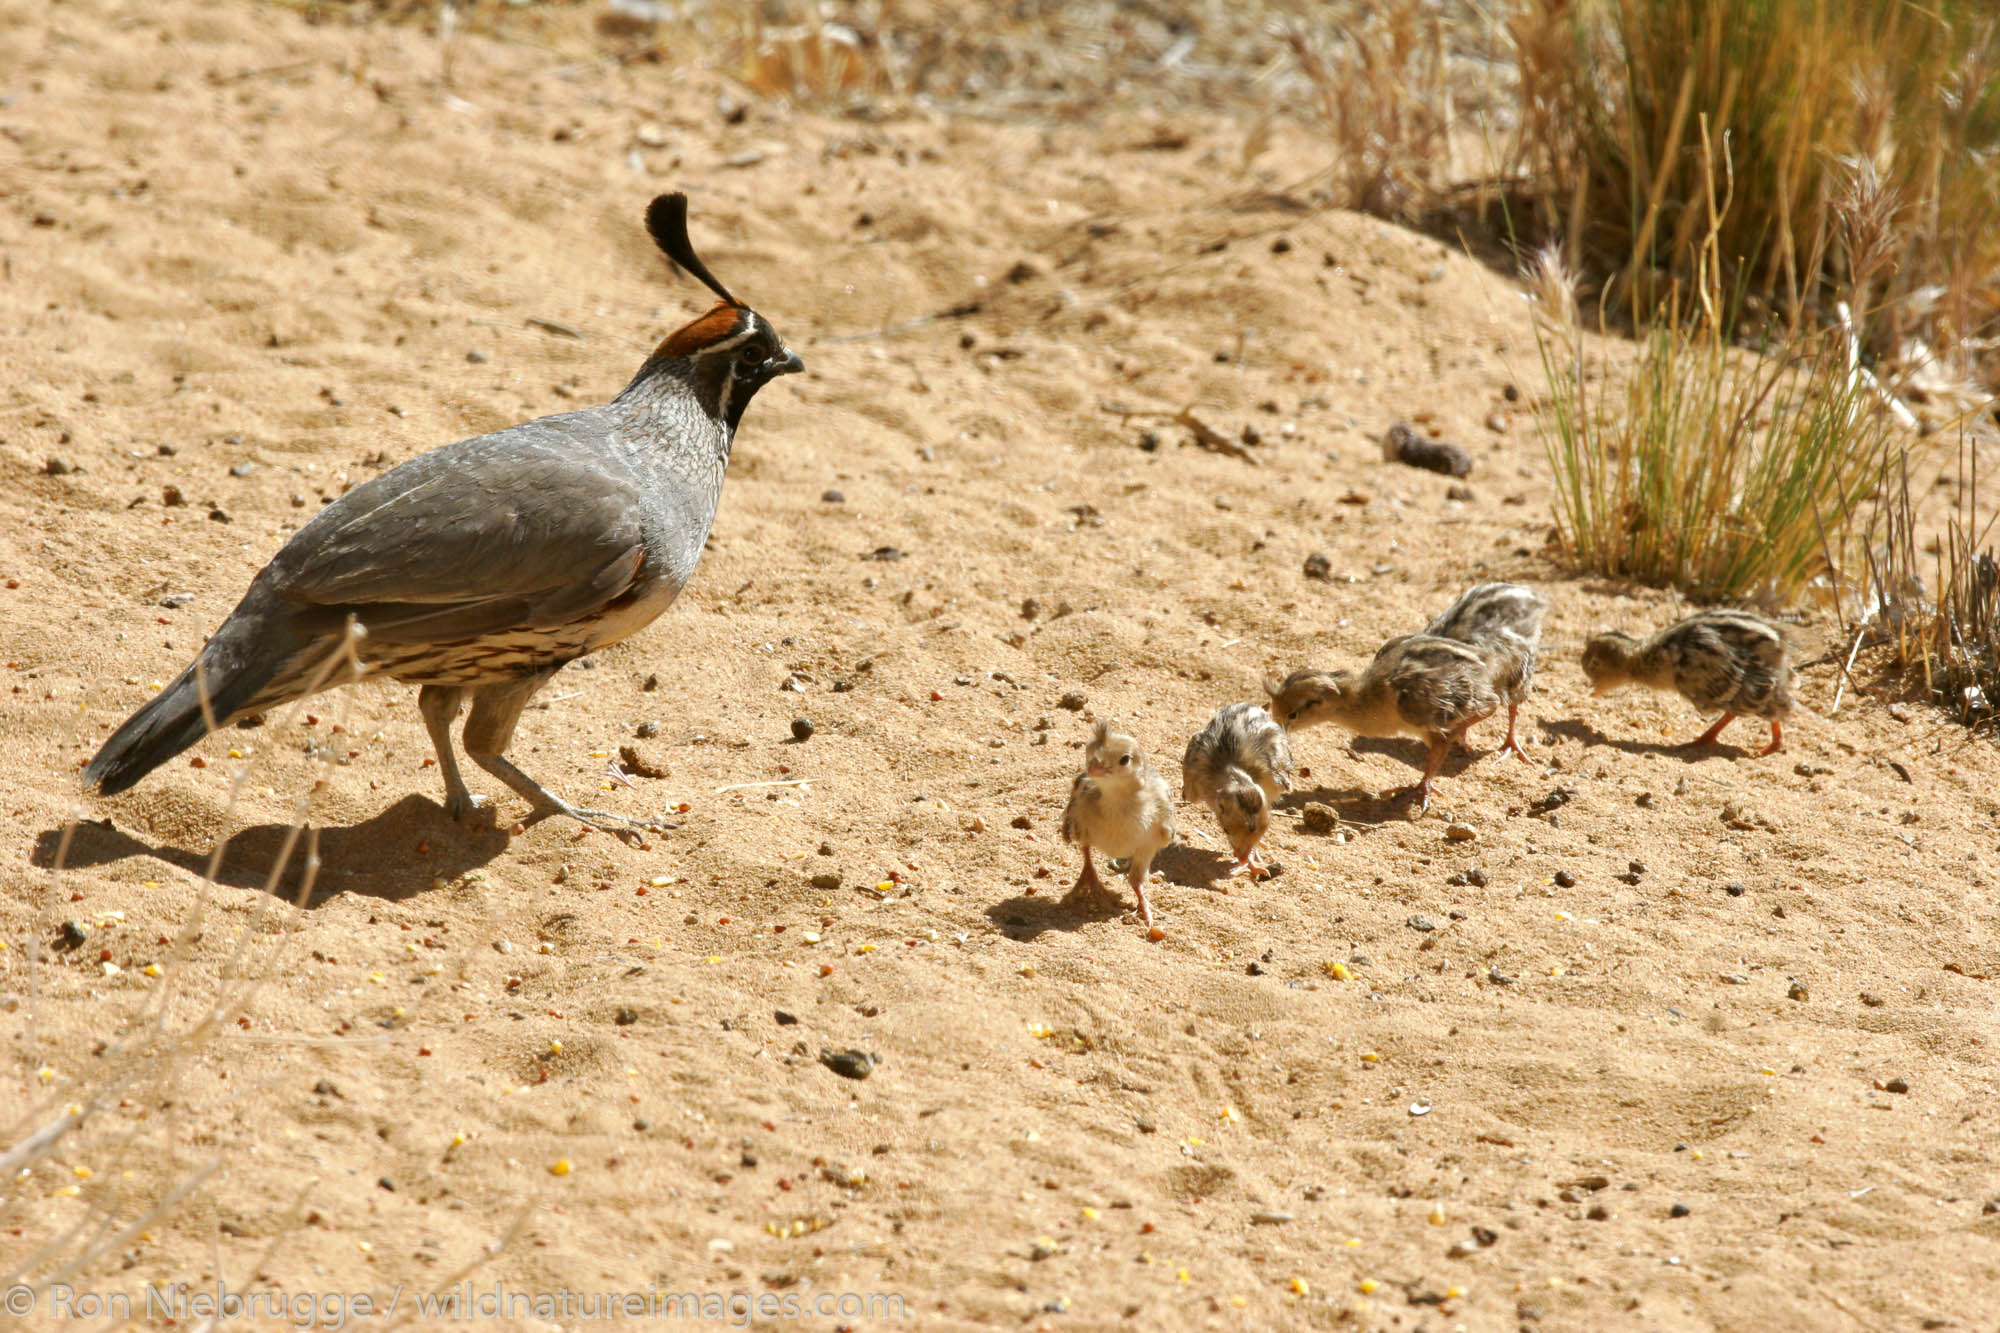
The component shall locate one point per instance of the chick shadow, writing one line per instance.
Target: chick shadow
(1575, 729)
(1358, 808)
(1025, 918)
(351, 859)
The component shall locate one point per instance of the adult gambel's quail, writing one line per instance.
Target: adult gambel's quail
(478, 569)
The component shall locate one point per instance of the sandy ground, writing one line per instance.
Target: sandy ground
(251, 261)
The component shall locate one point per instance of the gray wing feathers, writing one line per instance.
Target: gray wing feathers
(505, 554)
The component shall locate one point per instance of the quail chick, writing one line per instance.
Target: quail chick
(1238, 766)
(1503, 622)
(1418, 684)
(1731, 660)
(1118, 805)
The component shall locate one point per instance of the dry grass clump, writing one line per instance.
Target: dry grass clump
(1802, 97)
(1946, 646)
(1700, 466)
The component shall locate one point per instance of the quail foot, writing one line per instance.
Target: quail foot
(1418, 685)
(1238, 766)
(1118, 805)
(1502, 622)
(1731, 660)
(479, 569)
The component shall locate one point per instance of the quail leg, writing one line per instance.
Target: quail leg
(1135, 875)
(440, 704)
(1511, 742)
(1419, 794)
(1250, 864)
(495, 712)
(1087, 882)
(1708, 737)
(1777, 739)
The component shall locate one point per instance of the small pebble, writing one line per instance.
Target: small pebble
(826, 879)
(1073, 700)
(1423, 925)
(832, 497)
(1459, 491)
(625, 1018)
(645, 731)
(1476, 877)
(1459, 833)
(785, 1020)
(1319, 818)
(802, 729)
(1798, 991)
(849, 1063)
(1872, 1000)
(475, 356)
(1565, 880)
(74, 934)
(1679, 1210)
(1896, 1085)
(1318, 566)
(242, 469)
(1734, 890)
(1255, 969)
(1149, 440)
(58, 467)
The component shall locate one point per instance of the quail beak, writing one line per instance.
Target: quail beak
(788, 364)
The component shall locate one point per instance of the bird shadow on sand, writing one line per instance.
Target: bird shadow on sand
(1357, 807)
(1574, 730)
(1025, 917)
(355, 859)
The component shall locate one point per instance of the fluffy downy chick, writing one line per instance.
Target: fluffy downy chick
(1418, 685)
(1120, 806)
(1503, 623)
(1731, 660)
(1238, 766)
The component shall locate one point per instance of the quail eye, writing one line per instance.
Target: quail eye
(750, 356)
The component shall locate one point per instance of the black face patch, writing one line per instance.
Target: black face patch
(728, 373)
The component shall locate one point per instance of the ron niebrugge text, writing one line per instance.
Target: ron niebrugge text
(335, 1310)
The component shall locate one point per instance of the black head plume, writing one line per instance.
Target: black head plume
(667, 221)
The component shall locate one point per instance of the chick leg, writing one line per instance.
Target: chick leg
(1250, 864)
(1135, 875)
(495, 712)
(1420, 794)
(1087, 881)
(1512, 743)
(1777, 739)
(1708, 737)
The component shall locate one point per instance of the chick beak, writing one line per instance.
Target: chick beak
(1597, 691)
(1095, 769)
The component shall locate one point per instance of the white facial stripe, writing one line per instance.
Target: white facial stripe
(737, 339)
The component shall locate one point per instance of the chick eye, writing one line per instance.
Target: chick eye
(1293, 716)
(1124, 759)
